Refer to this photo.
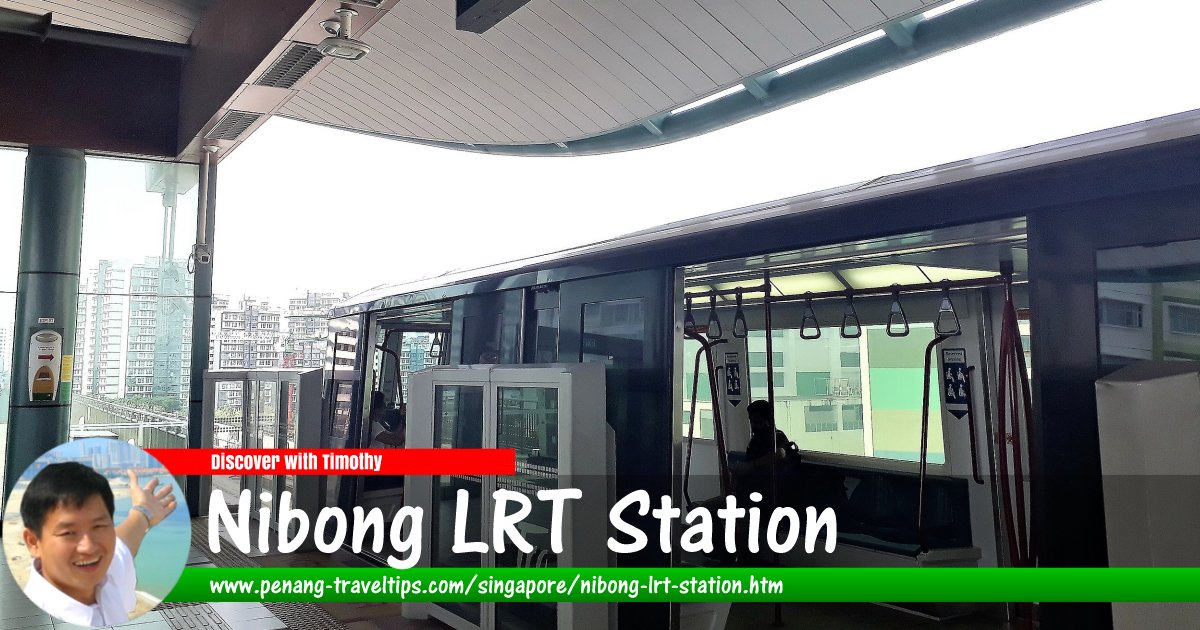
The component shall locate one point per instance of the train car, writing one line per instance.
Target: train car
(930, 342)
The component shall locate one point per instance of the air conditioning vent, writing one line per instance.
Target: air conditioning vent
(374, 4)
(292, 65)
(232, 125)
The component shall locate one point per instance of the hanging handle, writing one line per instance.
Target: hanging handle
(897, 313)
(714, 323)
(809, 316)
(689, 320)
(851, 329)
(739, 317)
(946, 315)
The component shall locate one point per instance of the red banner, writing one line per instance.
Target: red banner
(336, 461)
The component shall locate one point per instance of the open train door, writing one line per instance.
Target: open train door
(625, 321)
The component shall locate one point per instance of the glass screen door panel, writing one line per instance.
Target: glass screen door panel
(231, 426)
(266, 419)
(291, 406)
(458, 423)
(527, 422)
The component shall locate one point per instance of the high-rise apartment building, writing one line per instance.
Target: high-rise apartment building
(246, 336)
(160, 330)
(307, 324)
(6, 349)
(133, 330)
(101, 331)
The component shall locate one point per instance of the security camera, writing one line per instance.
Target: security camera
(340, 45)
(202, 254)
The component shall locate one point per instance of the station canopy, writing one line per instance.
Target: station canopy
(162, 78)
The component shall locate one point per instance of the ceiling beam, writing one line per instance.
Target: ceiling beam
(230, 43)
(477, 16)
(97, 98)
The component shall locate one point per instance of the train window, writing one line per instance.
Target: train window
(541, 325)
(1148, 303)
(614, 333)
(851, 396)
(340, 428)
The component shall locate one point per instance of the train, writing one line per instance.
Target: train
(928, 341)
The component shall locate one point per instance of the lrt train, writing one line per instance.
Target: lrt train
(929, 341)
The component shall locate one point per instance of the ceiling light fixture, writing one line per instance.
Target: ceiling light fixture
(340, 45)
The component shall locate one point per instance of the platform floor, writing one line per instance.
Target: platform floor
(17, 613)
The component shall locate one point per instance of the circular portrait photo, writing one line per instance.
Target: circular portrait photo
(96, 532)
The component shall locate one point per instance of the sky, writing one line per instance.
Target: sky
(290, 218)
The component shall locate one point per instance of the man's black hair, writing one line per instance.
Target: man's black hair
(759, 409)
(68, 483)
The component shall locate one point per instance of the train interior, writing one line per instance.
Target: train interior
(850, 355)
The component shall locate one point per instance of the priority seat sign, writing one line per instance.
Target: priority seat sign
(956, 382)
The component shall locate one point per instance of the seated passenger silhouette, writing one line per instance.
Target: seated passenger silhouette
(392, 420)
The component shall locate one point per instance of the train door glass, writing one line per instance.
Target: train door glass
(458, 423)
(527, 422)
(481, 339)
(1148, 304)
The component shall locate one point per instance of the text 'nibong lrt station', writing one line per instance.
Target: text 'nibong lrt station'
(985, 363)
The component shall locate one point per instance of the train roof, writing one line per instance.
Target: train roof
(1117, 140)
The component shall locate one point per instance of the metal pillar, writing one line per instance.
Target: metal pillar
(201, 314)
(47, 295)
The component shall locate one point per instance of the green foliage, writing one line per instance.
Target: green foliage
(160, 404)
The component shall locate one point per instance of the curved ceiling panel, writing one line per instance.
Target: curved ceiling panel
(166, 20)
(562, 70)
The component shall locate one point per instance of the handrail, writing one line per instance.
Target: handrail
(809, 316)
(946, 309)
(897, 309)
(687, 464)
(975, 283)
(851, 328)
(925, 442)
(706, 346)
(739, 316)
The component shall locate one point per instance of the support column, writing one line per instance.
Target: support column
(47, 299)
(201, 316)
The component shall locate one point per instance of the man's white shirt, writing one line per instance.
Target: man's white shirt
(115, 597)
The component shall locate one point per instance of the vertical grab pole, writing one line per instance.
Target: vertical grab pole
(718, 430)
(687, 466)
(925, 442)
(1013, 387)
(706, 347)
(778, 622)
(971, 429)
